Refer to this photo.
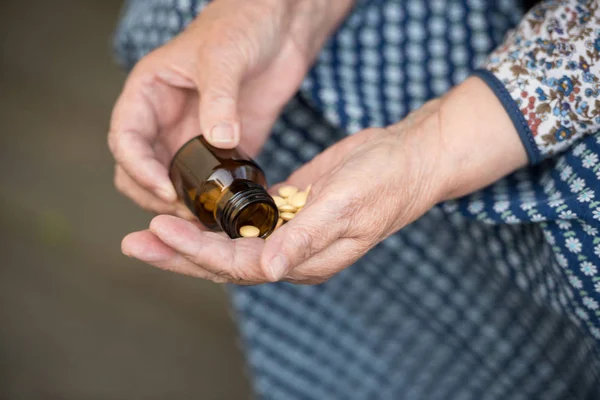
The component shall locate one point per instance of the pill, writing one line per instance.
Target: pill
(290, 203)
(249, 231)
(209, 205)
(279, 201)
(203, 197)
(287, 191)
(286, 216)
(214, 193)
(192, 193)
(288, 208)
(298, 199)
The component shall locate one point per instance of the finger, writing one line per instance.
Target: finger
(134, 127)
(146, 247)
(317, 269)
(236, 260)
(145, 199)
(219, 79)
(320, 223)
(325, 216)
(135, 155)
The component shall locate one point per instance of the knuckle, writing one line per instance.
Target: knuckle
(218, 97)
(346, 207)
(358, 248)
(302, 240)
(358, 216)
(349, 206)
(368, 228)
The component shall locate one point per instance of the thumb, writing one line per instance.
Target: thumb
(313, 230)
(218, 87)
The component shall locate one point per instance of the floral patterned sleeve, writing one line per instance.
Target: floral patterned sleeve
(547, 75)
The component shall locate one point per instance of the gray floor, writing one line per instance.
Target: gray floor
(77, 319)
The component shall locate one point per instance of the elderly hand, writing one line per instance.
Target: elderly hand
(365, 188)
(230, 72)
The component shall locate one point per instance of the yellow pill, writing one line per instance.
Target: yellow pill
(307, 191)
(279, 223)
(203, 197)
(287, 191)
(299, 199)
(249, 231)
(287, 208)
(209, 205)
(279, 201)
(286, 216)
(214, 193)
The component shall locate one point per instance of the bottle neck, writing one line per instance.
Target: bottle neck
(248, 204)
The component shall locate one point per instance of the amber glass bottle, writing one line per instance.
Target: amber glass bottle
(225, 189)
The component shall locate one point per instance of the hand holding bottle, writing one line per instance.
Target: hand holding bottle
(227, 76)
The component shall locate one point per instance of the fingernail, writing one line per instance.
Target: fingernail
(278, 266)
(222, 133)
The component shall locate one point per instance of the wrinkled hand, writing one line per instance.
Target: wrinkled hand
(230, 72)
(365, 188)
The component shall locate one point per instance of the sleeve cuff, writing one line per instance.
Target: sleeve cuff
(514, 113)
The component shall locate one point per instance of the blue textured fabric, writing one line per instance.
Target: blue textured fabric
(487, 297)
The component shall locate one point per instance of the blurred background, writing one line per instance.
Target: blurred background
(78, 320)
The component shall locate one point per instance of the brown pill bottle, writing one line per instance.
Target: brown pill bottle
(224, 189)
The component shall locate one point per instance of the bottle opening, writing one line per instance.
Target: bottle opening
(250, 204)
(260, 215)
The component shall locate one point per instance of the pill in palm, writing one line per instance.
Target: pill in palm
(288, 208)
(279, 201)
(286, 216)
(298, 199)
(287, 191)
(289, 203)
(249, 231)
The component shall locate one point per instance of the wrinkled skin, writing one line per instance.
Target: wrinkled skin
(358, 198)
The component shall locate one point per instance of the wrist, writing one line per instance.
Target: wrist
(417, 150)
(458, 144)
(477, 140)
